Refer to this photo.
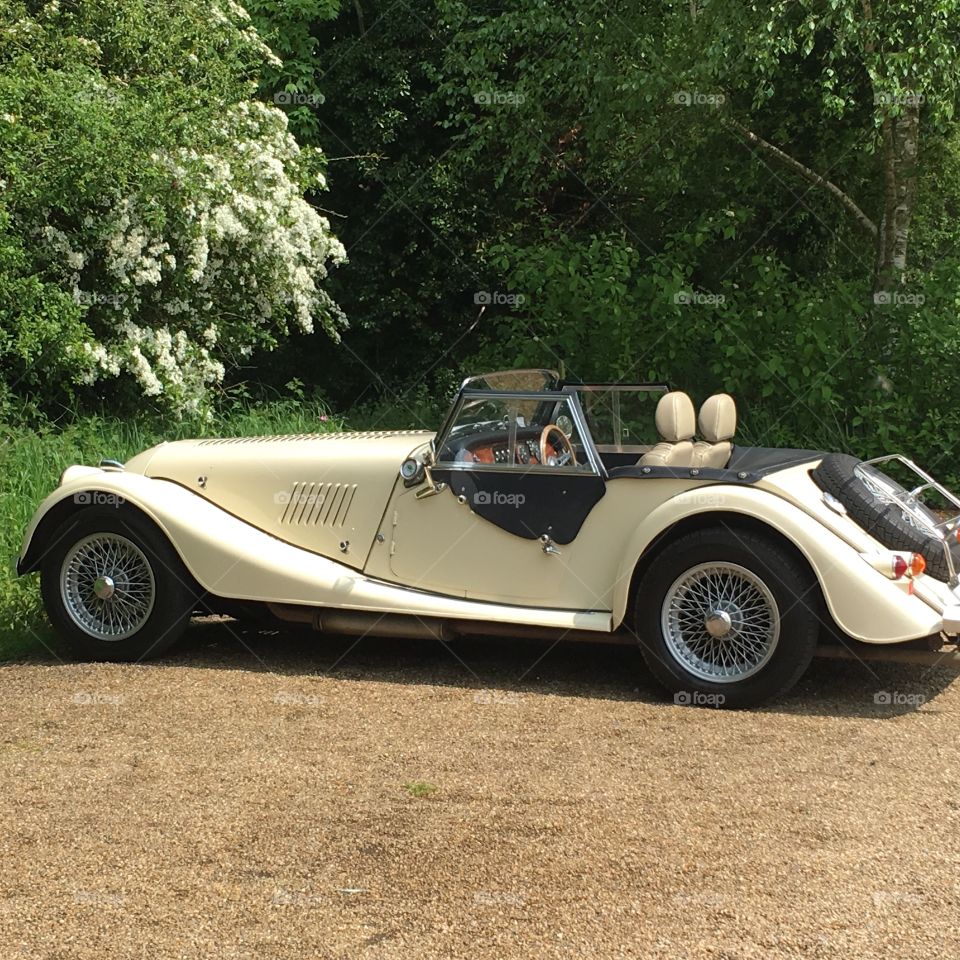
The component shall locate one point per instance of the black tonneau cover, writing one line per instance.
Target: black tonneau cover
(747, 465)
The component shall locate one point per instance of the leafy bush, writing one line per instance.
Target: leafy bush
(161, 230)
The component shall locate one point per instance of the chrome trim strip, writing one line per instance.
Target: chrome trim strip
(518, 468)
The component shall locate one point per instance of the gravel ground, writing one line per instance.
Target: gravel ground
(284, 796)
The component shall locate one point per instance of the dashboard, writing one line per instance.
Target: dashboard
(495, 448)
(527, 452)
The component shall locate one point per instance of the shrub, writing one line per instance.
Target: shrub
(155, 218)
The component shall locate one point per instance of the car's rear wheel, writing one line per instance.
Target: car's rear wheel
(113, 586)
(726, 618)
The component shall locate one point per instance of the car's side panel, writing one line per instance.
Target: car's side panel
(233, 559)
(865, 604)
(439, 543)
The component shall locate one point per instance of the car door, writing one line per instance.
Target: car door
(516, 477)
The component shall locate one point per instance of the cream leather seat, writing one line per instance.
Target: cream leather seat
(718, 424)
(676, 422)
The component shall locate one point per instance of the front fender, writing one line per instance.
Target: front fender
(864, 603)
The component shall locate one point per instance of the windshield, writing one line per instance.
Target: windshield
(518, 430)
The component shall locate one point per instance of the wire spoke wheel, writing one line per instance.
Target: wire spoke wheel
(720, 622)
(107, 586)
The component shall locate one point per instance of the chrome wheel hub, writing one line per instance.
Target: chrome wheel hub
(720, 622)
(103, 587)
(107, 586)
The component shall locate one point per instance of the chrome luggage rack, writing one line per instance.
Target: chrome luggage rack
(916, 512)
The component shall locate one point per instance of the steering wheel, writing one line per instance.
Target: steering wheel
(561, 461)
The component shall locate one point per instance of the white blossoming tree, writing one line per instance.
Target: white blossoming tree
(155, 212)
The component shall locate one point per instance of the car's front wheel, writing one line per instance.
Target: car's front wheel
(726, 618)
(113, 586)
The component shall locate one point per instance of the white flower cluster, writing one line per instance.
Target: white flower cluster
(221, 254)
(232, 14)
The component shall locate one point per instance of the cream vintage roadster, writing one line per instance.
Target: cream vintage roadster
(539, 508)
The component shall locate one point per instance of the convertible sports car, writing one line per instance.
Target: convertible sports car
(539, 508)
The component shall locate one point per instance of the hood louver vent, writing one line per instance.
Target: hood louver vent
(317, 504)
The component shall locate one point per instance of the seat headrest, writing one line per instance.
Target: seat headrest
(675, 417)
(718, 418)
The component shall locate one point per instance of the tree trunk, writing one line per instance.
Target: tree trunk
(901, 136)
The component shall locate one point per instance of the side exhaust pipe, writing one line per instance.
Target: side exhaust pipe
(359, 623)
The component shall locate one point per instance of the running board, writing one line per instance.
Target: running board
(369, 623)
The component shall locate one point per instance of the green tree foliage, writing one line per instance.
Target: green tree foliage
(665, 190)
(755, 197)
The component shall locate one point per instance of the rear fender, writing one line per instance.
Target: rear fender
(864, 603)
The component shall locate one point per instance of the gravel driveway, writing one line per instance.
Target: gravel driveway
(285, 796)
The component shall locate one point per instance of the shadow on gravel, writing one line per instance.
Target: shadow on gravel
(499, 666)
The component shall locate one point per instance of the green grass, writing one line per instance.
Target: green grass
(31, 462)
(419, 789)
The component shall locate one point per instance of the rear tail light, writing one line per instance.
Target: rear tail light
(896, 564)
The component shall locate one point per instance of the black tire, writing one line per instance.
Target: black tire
(796, 611)
(883, 520)
(155, 629)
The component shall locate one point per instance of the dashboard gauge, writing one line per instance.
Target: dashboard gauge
(409, 468)
(565, 424)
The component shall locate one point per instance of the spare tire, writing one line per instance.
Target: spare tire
(868, 502)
